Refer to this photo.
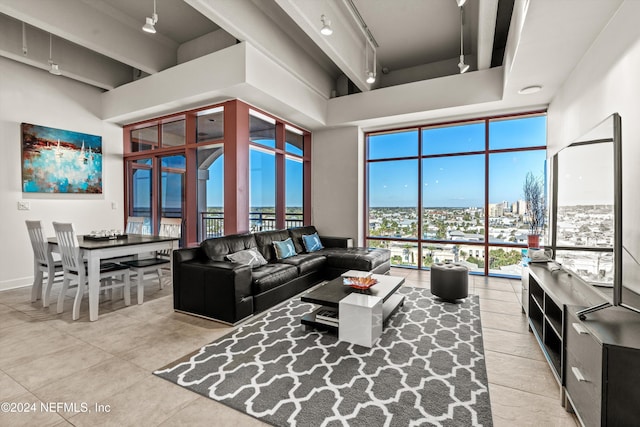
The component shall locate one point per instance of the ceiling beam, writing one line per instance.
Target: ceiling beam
(88, 27)
(74, 61)
(247, 22)
(345, 47)
(487, 18)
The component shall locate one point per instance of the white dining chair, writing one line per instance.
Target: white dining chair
(75, 268)
(169, 227)
(43, 262)
(135, 225)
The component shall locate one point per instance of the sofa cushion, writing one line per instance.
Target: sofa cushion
(218, 248)
(270, 276)
(365, 259)
(284, 249)
(265, 239)
(296, 235)
(251, 257)
(306, 263)
(312, 242)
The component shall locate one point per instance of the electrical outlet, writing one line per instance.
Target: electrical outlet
(24, 206)
(114, 205)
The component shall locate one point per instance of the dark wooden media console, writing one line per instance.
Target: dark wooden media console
(596, 361)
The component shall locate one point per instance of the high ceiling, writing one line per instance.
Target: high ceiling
(410, 33)
(509, 44)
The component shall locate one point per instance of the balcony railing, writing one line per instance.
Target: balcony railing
(213, 223)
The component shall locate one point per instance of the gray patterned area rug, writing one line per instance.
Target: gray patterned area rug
(427, 369)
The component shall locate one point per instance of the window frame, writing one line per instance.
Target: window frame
(421, 241)
(236, 139)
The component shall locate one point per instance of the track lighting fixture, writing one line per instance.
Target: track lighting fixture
(55, 70)
(326, 26)
(25, 49)
(150, 23)
(461, 65)
(53, 67)
(371, 75)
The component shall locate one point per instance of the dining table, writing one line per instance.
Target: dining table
(97, 249)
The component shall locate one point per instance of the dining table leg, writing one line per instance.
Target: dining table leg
(93, 265)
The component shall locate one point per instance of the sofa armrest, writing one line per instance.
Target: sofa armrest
(185, 254)
(217, 289)
(336, 242)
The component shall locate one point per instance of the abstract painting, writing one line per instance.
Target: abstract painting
(60, 161)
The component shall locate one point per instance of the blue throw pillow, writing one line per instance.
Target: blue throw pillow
(284, 249)
(312, 242)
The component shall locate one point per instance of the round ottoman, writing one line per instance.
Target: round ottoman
(449, 281)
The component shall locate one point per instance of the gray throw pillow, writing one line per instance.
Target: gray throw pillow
(251, 257)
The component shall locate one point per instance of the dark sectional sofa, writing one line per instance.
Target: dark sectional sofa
(206, 284)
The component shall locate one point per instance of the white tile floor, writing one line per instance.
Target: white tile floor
(45, 357)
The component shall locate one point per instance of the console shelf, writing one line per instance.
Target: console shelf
(545, 319)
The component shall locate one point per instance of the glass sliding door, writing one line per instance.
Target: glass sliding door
(210, 160)
(294, 192)
(172, 170)
(141, 191)
(262, 190)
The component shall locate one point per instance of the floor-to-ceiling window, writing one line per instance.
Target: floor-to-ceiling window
(294, 176)
(453, 192)
(187, 164)
(277, 165)
(209, 160)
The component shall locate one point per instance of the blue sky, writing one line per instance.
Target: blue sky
(447, 181)
(456, 181)
(263, 173)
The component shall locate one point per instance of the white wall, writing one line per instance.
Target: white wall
(337, 182)
(34, 96)
(604, 82)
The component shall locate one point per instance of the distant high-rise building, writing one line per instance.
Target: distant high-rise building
(521, 207)
(496, 210)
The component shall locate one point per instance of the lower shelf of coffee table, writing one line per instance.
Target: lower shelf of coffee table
(390, 306)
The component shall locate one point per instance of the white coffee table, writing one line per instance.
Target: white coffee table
(362, 317)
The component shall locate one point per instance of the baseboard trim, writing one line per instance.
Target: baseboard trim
(22, 282)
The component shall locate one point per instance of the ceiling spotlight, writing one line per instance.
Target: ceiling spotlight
(55, 70)
(326, 26)
(150, 23)
(371, 77)
(463, 67)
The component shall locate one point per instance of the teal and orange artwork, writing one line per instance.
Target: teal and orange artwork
(60, 161)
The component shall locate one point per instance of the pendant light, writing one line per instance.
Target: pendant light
(53, 67)
(461, 65)
(150, 23)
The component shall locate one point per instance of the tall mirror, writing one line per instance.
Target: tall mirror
(586, 215)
